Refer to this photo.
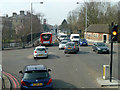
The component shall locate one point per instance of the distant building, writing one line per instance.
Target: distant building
(98, 33)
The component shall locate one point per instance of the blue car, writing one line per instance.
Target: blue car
(36, 77)
(83, 42)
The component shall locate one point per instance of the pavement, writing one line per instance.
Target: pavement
(106, 83)
(5, 82)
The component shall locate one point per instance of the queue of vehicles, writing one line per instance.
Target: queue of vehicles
(37, 76)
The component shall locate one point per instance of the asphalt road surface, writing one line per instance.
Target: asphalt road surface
(79, 70)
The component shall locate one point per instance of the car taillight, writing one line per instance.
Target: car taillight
(74, 47)
(50, 81)
(35, 51)
(45, 51)
(23, 83)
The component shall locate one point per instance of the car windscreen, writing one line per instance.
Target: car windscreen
(33, 75)
(83, 40)
(101, 45)
(46, 36)
(75, 36)
(40, 49)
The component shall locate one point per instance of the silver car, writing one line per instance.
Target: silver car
(40, 51)
(62, 44)
(71, 47)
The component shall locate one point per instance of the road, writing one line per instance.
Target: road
(79, 70)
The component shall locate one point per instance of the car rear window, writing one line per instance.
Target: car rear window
(70, 44)
(63, 42)
(40, 49)
(33, 75)
(75, 36)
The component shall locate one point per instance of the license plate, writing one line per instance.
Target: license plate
(40, 55)
(46, 44)
(37, 84)
(69, 48)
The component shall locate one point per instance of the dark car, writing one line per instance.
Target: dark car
(71, 47)
(83, 42)
(36, 77)
(100, 48)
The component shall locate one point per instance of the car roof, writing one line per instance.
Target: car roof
(40, 47)
(35, 67)
(71, 42)
(64, 41)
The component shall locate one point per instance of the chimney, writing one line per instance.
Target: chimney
(22, 13)
(14, 14)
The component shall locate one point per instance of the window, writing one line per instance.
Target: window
(37, 74)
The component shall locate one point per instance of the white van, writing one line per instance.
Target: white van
(74, 37)
(62, 36)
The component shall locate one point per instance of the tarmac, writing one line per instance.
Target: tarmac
(103, 83)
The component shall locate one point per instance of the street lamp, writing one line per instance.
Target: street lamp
(85, 21)
(31, 16)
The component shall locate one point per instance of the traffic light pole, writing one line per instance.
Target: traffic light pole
(111, 59)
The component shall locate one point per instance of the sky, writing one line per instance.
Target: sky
(55, 11)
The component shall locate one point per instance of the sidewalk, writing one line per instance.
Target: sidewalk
(5, 82)
(106, 83)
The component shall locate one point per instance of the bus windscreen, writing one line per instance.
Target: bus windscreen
(46, 36)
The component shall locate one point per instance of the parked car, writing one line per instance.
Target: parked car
(83, 42)
(36, 77)
(100, 47)
(40, 51)
(62, 44)
(71, 47)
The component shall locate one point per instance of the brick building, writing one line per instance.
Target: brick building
(98, 33)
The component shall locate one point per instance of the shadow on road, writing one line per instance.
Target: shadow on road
(52, 56)
(83, 52)
(57, 84)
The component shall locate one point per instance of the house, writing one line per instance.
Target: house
(98, 33)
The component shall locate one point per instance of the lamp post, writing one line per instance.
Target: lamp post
(85, 21)
(31, 16)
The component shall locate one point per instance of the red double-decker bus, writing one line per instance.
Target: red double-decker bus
(46, 38)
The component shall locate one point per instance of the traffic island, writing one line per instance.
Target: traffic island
(106, 83)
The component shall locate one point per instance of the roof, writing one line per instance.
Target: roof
(74, 34)
(46, 33)
(98, 28)
(35, 67)
(40, 47)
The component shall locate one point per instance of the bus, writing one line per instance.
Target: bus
(46, 38)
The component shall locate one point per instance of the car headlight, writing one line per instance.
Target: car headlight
(99, 48)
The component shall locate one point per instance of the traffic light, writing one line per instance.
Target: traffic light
(115, 32)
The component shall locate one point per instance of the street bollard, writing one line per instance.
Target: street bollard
(106, 72)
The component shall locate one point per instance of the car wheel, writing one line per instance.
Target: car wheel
(47, 56)
(34, 57)
(97, 52)
(93, 50)
(65, 52)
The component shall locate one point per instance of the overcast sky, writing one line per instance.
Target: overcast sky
(54, 10)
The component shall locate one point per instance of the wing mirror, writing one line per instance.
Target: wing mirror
(49, 70)
(20, 72)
